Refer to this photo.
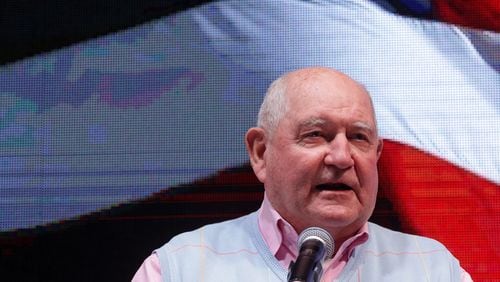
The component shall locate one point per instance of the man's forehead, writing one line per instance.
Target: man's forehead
(312, 76)
(314, 121)
(336, 93)
(330, 97)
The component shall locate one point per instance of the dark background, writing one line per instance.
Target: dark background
(29, 27)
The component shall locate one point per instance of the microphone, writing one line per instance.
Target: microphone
(315, 244)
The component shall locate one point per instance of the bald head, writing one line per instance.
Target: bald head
(275, 103)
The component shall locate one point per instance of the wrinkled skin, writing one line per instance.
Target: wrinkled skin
(319, 166)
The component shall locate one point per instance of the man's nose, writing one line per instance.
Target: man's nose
(339, 153)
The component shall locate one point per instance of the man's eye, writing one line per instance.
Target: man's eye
(314, 134)
(360, 136)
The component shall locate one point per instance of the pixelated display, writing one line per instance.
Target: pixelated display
(119, 118)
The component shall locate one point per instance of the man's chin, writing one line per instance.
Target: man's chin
(335, 217)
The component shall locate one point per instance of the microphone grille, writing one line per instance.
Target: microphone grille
(318, 234)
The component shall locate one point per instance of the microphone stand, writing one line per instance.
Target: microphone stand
(317, 272)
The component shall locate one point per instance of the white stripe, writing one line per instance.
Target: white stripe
(432, 88)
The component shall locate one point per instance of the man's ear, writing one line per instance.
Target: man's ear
(255, 141)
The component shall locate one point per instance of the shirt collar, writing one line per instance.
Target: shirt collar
(278, 233)
(275, 229)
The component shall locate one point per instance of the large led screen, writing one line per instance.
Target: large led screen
(117, 121)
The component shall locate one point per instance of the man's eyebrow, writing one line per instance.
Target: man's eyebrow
(364, 126)
(312, 122)
(316, 121)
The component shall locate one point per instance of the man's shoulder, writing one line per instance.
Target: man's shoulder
(404, 240)
(389, 253)
(221, 232)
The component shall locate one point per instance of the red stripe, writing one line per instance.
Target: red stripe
(478, 13)
(437, 199)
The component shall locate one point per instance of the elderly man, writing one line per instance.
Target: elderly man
(315, 149)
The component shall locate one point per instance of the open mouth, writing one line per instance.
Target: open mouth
(333, 187)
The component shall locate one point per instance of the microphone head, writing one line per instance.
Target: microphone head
(320, 234)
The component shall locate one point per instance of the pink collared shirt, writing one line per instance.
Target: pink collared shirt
(281, 238)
